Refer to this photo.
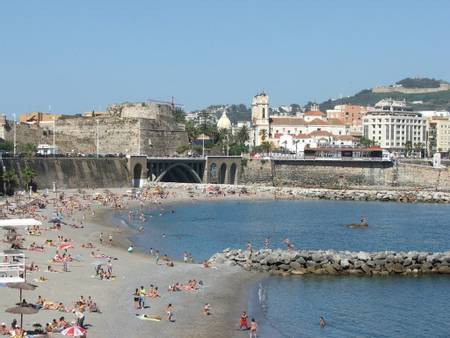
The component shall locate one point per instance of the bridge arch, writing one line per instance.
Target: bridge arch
(179, 172)
(222, 177)
(233, 170)
(137, 173)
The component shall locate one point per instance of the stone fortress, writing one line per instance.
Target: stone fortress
(128, 128)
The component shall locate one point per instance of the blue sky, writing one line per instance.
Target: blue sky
(85, 54)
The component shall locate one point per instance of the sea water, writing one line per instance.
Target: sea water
(291, 307)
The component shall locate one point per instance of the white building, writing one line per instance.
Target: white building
(298, 143)
(392, 124)
(46, 149)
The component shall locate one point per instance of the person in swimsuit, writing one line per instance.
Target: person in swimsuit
(136, 299)
(243, 322)
(169, 311)
(253, 328)
(322, 322)
(206, 310)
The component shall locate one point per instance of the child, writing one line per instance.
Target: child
(206, 310)
(253, 328)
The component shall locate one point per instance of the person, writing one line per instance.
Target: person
(136, 296)
(206, 309)
(142, 297)
(101, 238)
(169, 311)
(109, 266)
(243, 322)
(3, 329)
(185, 257)
(110, 239)
(157, 257)
(253, 328)
(322, 322)
(130, 248)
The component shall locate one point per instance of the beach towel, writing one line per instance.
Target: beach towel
(149, 317)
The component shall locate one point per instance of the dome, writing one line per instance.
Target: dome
(224, 122)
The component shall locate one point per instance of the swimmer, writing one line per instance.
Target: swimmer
(322, 322)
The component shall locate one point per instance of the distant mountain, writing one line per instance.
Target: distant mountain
(420, 93)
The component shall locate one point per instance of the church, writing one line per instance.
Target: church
(295, 132)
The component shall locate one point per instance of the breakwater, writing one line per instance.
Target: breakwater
(296, 193)
(321, 262)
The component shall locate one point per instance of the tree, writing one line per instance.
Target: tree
(6, 146)
(242, 135)
(408, 147)
(28, 174)
(263, 134)
(367, 142)
(179, 115)
(28, 149)
(9, 179)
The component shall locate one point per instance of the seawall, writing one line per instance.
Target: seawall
(70, 173)
(337, 174)
(301, 262)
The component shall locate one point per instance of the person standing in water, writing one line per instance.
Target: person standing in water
(322, 322)
(253, 328)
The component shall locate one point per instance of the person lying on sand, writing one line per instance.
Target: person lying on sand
(88, 245)
(50, 269)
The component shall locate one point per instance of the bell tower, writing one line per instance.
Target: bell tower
(260, 118)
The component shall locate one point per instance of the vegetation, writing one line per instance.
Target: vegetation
(28, 174)
(179, 115)
(419, 82)
(6, 146)
(10, 182)
(28, 149)
(430, 101)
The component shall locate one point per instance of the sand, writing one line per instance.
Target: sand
(225, 287)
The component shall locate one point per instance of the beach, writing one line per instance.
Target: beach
(223, 287)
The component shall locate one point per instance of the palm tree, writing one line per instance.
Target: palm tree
(242, 135)
(28, 174)
(9, 179)
(263, 134)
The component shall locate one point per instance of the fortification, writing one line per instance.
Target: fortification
(147, 129)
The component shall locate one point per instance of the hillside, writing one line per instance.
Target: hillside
(419, 101)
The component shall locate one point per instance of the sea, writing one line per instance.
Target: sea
(396, 306)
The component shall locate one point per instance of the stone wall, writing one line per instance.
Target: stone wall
(73, 172)
(152, 137)
(256, 172)
(345, 175)
(332, 262)
(331, 174)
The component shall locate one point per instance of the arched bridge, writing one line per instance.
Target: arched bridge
(211, 169)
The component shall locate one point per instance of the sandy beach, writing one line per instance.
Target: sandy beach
(224, 287)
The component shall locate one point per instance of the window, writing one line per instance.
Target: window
(264, 113)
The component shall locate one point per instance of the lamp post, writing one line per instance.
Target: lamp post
(96, 135)
(15, 141)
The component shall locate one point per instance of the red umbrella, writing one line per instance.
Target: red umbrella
(73, 331)
(65, 246)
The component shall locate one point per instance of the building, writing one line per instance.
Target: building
(438, 134)
(38, 118)
(46, 149)
(394, 126)
(352, 115)
(224, 122)
(260, 119)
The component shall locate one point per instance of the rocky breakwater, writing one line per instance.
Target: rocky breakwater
(301, 262)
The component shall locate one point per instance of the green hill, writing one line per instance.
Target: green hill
(430, 101)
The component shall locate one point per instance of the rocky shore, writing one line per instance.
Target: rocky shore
(260, 191)
(284, 262)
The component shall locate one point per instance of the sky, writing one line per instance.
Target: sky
(76, 56)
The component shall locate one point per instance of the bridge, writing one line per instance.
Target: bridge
(210, 169)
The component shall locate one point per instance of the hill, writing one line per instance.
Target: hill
(439, 100)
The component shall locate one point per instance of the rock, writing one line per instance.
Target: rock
(444, 269)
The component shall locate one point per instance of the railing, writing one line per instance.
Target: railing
(277, 156)
(12, 267)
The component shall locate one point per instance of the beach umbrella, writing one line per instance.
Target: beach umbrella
(22, 310)
(74, 331)
(22, 286)
(65, 246)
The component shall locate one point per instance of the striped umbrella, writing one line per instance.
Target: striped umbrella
(73, 331)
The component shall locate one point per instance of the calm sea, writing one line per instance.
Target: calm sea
(291, 307)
